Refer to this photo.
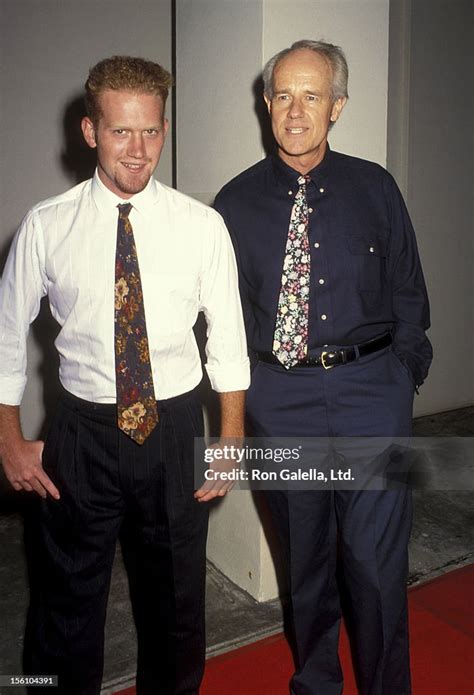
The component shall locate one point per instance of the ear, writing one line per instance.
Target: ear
(88, 131)
(268, 102)
(166, 125)
(337, 108)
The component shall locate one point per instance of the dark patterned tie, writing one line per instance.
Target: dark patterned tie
(290, 340)
(137, 413)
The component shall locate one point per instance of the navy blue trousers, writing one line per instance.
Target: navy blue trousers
(370, 397)
(104, 477)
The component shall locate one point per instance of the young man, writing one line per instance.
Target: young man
(336, 311)
(127, 264)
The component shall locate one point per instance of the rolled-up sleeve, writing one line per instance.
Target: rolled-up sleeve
(22, 286)
(227, 361)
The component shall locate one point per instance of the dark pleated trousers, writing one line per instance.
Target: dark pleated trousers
(370, 528)
(103, 477)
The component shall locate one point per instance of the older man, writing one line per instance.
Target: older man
(127, 264)
(336, 311)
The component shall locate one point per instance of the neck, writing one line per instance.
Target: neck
(303, 164)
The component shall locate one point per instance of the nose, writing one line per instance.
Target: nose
(296, 109)
(136, 148)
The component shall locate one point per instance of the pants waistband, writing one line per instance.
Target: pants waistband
(335, 356)
(110, 409)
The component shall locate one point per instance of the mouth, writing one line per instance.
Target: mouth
(133, 167)
(296, 131)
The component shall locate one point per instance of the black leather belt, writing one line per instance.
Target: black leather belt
(331, 358)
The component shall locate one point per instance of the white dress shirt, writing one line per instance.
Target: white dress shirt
(65, 248)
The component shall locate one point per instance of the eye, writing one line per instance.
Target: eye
(312, 97)
(282, 97)
(152, 131)
(119, 131)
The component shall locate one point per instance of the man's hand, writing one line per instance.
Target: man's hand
(232, 434)
(24, 469)
(21, 458)
(222, 464)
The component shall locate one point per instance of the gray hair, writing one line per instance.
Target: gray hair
(334, 54)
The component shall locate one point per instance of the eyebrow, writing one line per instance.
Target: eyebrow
(118, 126)
(306, 91)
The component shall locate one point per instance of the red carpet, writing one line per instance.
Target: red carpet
(441, 648)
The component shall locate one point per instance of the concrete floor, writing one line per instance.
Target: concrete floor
(441, 540)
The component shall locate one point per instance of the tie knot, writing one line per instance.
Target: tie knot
(303, 180)
(124, 210)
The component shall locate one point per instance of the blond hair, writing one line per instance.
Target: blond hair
(125, 72)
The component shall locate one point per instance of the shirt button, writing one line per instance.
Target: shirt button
(323, 317)
(290, 192)
(316, 244)
(321, 190)
(371, 249)
(310, 209)
(321, 281)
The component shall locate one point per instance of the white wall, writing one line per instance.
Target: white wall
(430, 154)
(47, 48)
(219, 54)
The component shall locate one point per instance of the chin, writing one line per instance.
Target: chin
(132, 187)
(292, 152)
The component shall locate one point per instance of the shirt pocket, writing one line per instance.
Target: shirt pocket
(368, 255)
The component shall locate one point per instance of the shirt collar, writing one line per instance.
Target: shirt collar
(142, 202)
(288, 176)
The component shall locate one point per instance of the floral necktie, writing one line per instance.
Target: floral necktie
(290, 340)
(137, 413)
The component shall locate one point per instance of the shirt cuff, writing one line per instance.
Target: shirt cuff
(12, 390)
(234, 376)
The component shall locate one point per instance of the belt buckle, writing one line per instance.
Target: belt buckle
(325, 354)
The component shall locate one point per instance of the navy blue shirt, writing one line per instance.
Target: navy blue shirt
(366, 276)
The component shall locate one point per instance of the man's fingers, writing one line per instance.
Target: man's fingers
(44, 479)
(48, 484)
(207, 493)
(209, 487)
(37, 481)
(202, 493)
(38, 488)
(208, 496)
(218, 484)
(23, 467)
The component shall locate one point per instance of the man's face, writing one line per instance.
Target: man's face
(129, 137)
(302, 108)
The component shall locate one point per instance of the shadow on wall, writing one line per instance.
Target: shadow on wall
(78, 160)
(268, 142)
(5, 248)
